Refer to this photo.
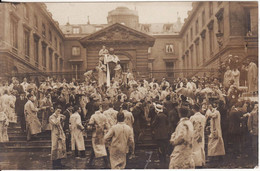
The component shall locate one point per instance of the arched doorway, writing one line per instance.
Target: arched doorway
(125, 62)
(14, 71)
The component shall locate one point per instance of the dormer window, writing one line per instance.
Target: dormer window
(75, 30)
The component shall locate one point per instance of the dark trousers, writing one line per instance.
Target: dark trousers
(78, 153)
(68, 141)
(162, 149)
(92, 156)
(112, 66)
(23, 122)
(56, 164)
(255, 145)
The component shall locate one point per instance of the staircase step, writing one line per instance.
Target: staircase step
(29, 143)
(23, 138)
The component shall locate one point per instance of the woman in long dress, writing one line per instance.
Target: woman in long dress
(215, 142)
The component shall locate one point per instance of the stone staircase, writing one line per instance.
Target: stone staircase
(18, 143)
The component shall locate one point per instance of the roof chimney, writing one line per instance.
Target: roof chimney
(88, 20)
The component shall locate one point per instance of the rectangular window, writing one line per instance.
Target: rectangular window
(191, 34)
(169, 48)
(203, 50)
(14, 33)
(50, 59)
(191, 57)
(210, 9)
(183, 46)
(211, 41)
(75, 30)
(169, 69)
(56, 42)
(60, 48)
(61, 64)
(35, 22)
(149, 50)
(187, 39)
(197, 26)
(203, 18)
(56, 63)
(36, 51)
(75, 51)
(183, 62)
(197, 54)
(26, 12)
(43, 30)
(50, 36)
(44, 55)
(26, 43)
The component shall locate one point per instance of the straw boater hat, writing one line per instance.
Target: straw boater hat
(158, 107)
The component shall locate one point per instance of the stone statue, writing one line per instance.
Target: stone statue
(252, 77)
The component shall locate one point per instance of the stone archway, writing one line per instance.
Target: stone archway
(14, 71)
(125, 61)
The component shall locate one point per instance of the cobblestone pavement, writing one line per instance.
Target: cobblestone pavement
(41, 160)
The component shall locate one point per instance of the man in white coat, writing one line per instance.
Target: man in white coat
(122, 138)
(111, 116)
(198, 120)
(76, 130)
(129, 118)
(33, 125)
(98, 121)
(181, 139)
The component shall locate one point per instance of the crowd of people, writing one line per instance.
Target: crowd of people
(193, 120)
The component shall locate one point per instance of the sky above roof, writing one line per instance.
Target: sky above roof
(149, 12)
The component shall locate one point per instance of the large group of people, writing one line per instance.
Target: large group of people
(196, 119)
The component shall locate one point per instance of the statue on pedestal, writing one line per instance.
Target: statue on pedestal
(109, 65)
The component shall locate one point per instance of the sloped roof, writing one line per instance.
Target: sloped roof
(125, 34)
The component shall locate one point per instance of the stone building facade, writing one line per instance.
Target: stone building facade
(161, 57)
(213, 31)
(31, 42)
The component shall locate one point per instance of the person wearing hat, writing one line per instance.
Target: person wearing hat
(76, 131)
(103, 51)
(199, 121)
(19, 109)
(181, 139)
(122, 141)
(139, 121)
(135, 96)
(160, 129)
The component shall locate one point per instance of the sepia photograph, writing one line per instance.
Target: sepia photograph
(129, 85)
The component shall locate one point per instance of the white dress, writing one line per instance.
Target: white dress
(198, 120)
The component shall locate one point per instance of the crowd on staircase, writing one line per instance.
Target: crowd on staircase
(193, 120)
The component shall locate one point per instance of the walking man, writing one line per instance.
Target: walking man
(121, 138)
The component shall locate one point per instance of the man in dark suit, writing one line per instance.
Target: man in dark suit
(18, 87)
(19, 109)
(160, 132)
